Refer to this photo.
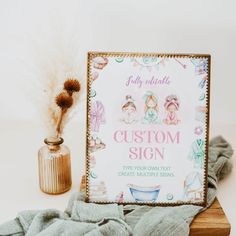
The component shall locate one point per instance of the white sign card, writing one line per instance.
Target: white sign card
(147, 128)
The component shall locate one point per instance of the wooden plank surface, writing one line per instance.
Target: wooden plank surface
(212, 222)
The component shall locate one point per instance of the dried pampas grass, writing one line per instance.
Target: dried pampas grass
(56, 65)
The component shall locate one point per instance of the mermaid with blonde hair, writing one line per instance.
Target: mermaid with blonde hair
(151, 108)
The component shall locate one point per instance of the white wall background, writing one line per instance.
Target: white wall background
(184, 26)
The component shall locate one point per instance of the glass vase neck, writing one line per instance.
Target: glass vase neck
(53, 141)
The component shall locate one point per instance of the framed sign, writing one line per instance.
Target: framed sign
(147, 128)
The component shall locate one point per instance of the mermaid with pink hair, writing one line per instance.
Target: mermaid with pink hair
(172, 106)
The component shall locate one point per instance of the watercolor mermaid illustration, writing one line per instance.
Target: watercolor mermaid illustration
(151, 109)
(172, 106)
(129, 110)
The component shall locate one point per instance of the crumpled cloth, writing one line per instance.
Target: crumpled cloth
(90, 219)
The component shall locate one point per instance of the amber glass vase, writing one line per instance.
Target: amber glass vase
(54, 167)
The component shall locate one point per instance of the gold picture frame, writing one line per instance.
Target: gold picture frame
(102, 64)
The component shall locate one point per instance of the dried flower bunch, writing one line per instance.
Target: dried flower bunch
(57, 76)
(65, 100)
